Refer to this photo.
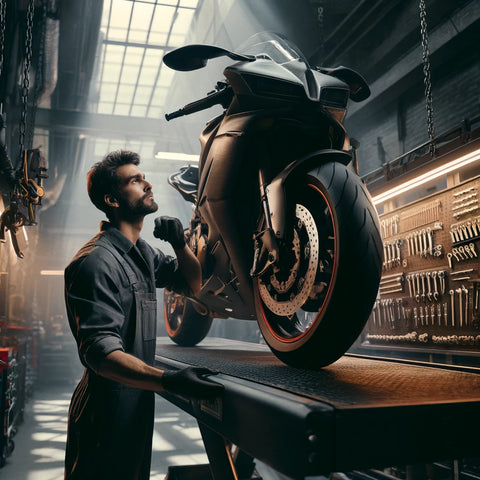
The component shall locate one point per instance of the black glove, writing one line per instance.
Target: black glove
(171, 230)
(190, 382)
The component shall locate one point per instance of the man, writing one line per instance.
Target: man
(111, 305)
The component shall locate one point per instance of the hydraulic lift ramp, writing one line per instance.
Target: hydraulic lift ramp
(357, 413)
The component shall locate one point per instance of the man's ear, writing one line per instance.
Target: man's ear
(110, 200)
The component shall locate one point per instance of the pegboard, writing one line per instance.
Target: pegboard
(429, 293)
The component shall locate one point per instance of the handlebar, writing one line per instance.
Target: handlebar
(223, 97)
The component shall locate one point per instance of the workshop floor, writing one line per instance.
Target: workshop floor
(40, 441)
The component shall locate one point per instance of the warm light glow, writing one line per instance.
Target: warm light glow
(427, 177)
(51, 273)
(180, 157)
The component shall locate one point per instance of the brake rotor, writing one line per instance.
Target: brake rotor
(298, 285)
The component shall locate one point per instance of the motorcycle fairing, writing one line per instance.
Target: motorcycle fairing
(275, 190)
(224, 173)
(295, 81)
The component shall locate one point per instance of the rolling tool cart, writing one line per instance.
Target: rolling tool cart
(8, 378)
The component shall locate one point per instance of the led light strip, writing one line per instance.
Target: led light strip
(52, 273)
(427, 177)
(181, 157)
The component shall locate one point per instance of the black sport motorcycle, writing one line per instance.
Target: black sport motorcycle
(283, 226)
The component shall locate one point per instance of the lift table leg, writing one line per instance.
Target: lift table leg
(219, 456)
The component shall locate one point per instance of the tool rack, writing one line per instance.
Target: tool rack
(429, 295)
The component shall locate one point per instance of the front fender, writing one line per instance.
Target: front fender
(275, 190)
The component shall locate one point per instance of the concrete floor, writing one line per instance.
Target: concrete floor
(40, 440)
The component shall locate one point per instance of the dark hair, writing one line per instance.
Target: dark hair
(102, 178)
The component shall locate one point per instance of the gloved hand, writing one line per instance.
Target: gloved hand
(190, 382)
(171, 230)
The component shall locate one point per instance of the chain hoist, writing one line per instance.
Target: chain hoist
(27, 192)
(427, 77)
(26, 75)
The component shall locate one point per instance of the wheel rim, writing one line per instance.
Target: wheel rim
(174, 311)
(289, 307)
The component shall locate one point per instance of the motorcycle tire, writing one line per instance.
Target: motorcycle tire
(185, 326)
(338, 253)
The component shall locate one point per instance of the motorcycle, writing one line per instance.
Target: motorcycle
(283, 227)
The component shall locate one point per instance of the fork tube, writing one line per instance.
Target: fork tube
(263, 196)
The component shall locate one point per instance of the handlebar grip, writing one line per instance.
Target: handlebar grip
(220, 97)
(175, 114)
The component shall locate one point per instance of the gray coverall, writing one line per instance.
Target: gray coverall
(111, 305)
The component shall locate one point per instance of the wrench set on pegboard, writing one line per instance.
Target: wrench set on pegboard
(429, 293)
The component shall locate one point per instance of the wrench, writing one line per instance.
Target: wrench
(409, 280)
(441, 276)
(449, 258)
(430, 240)
(417, 293)
(425, 248)
(435, 286)
(459, 291)
(422, 275)
(470, 230)
(429, 293)
(465, 291)
(452, 305)
(417, 245)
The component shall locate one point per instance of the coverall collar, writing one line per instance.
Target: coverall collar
(120, 241)
(124, 245)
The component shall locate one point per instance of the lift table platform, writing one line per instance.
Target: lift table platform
(356, 413)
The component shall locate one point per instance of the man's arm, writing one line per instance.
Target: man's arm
(124, 368)
(190, 269)
(171, 230)
(131, 371)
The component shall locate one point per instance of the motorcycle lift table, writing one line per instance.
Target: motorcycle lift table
(357, 413)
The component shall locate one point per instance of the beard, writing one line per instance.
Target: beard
(138, 208)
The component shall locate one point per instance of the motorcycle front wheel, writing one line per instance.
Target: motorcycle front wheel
(184, 324)
(312, 307)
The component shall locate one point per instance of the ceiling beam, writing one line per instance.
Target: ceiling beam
(97, 125)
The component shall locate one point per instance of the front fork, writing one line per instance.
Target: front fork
(266, 247)
(273, 232)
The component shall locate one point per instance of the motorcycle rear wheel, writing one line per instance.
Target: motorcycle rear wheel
(185, 326)
(312, 310)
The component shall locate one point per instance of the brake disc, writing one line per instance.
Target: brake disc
(271, 288)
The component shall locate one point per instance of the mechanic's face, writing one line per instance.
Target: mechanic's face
(135, 195)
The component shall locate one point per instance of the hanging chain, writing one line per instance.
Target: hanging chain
(427, 77)
(3, 9)
(39, 76)
(26, 75)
